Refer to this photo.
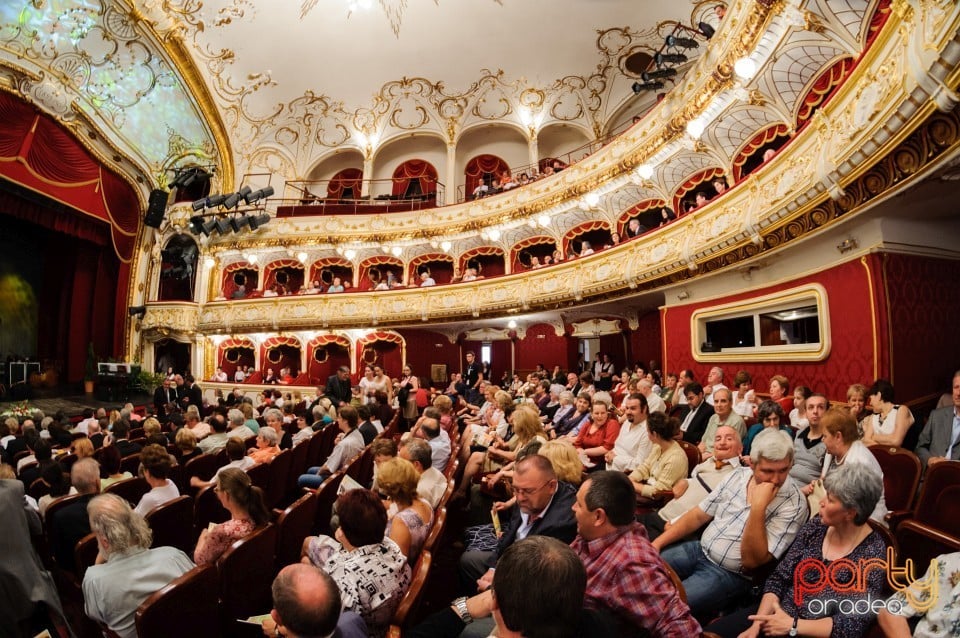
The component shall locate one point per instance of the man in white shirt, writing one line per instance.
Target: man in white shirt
(714, 383)
(680, 394)
(237, 453)
(432, 482)
(654, 402)
(84, 425)
(633, 443)
(237, 424)
(438, 439)
(220, 376)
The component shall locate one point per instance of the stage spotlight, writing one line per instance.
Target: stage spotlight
(684, 43)
(233, 199)
(646, 86)
(259, 194)
(196, 224)
(256, 221)
(223, 226)
(209, 227)
(200, 204)
(706, 30)
(215, 200)
(238, 223)
(137, 311)
(669, 58)
(659, 74)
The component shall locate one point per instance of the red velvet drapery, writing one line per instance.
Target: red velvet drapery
(335, 352)
(348, 178)
(381, 348)
(382, 262)
(292, 267)
(244, 348)
(230, 270)
(440, 265)
(476, 168)
(415, 169)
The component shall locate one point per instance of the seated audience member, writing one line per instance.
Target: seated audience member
(857, 402)
(744, 398)
(942, 619)
(274, 420)
(938, 439)
(121, 429)
(431, 483)
(537, 590)
(156, 465)
(543, 508)
(633, 442)
(349, 445)
(723, 415)
(127, 571)
(809, 446)
(247, 510)
(576, 418)
(57, 482)
(654, 402)
(565, 400)
(714, 383)
(410, 523)
(306, 603)
(839, 532)
(217, 439)
(798, 415)
(779, 392)
(889, 423)
(186, 443)
(599, 435)
(698, 414)
(383, 449)
(526, 428)
(736, 539)
(192, 422)
(436, 437)
(237, 453)
(625, 575)
(110, 464)
(367, 429)
(267, 446)
(70, 523)
(844, 448)
(704, 478)
(769, 415)
(369, 569)
(304, 431)
(237, 423)
(666, 463)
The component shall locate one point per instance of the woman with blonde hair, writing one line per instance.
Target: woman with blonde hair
(526, 428)
(186, 442)
(82, 447)
(409, 526)
(150, 427)
(445, 404)
(247, 510)
(565, 460)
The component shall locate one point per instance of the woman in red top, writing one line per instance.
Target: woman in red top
(597, 437)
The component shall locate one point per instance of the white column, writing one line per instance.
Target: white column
(533, 151)
(367, 176)
(450, 186)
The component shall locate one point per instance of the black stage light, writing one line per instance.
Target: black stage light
(196, 224)
(646, 86)
(200, 204)
(259, 194)
(256, 221)
(209, 227)
(659, 74)
(237, 223)
(137, 311)
(685, 43)
(223, 226)
(669, 58)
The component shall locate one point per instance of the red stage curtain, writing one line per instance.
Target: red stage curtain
(351, 178)
(475, 169)
(411, 169)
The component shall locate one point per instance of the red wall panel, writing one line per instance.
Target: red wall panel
(542, 345)
(923, 296)
(425, 348)
(646, 342)
(853, 291)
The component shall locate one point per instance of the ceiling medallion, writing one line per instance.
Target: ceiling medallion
(392, 8)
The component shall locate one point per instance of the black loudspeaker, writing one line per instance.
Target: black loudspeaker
(156, 208)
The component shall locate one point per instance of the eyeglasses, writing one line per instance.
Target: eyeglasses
(529, 491)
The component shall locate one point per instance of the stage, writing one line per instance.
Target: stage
(73, 403)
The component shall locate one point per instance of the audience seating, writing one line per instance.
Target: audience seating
(298, 464)
(172, 524)
(320, 448)
(293, 525)
(130, 464)
(188, 604)
(326, 496)
(203, 466)
(260, 476)
(932, 508)
(38, 488)
(693, 454)
(246, 574)
(131, 489)
(675, 579)
(66, 462)
(207, 509)
(439, 523)
(277, 479)
(406, 611)
(84, 555)
(901, 476)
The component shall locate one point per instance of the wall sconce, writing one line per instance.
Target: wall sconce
(847, 245)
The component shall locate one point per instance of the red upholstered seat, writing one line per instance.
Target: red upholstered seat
(189, 604)
(172, 524)
(293, 525)
(246, 573)
(131, 489)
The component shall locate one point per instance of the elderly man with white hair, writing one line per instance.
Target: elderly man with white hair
(654, 402)
(751, 517)
(127, 571)
(237, 424)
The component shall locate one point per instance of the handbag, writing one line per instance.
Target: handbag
(423, 398)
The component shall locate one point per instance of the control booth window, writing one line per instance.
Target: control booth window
(792, 325)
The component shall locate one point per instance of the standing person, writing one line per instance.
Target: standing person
(338, 387)
(472, 376)
(603, 372)
(409, 384)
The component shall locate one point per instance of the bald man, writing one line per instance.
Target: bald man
(306, 602)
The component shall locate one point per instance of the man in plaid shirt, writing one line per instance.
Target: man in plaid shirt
(753, 516)
(625, 575)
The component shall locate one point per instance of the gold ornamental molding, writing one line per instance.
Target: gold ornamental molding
(165, 318)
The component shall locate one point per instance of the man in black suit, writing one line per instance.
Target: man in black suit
(338, 387)
(694, 421)
(163, 396)
(191, 393)
(544, 508)
(367, 428)
(121, 429)
(70, 523)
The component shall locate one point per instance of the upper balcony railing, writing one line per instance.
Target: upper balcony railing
(359, 196)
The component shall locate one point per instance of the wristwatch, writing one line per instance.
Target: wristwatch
(793, 630)
(460, 604)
